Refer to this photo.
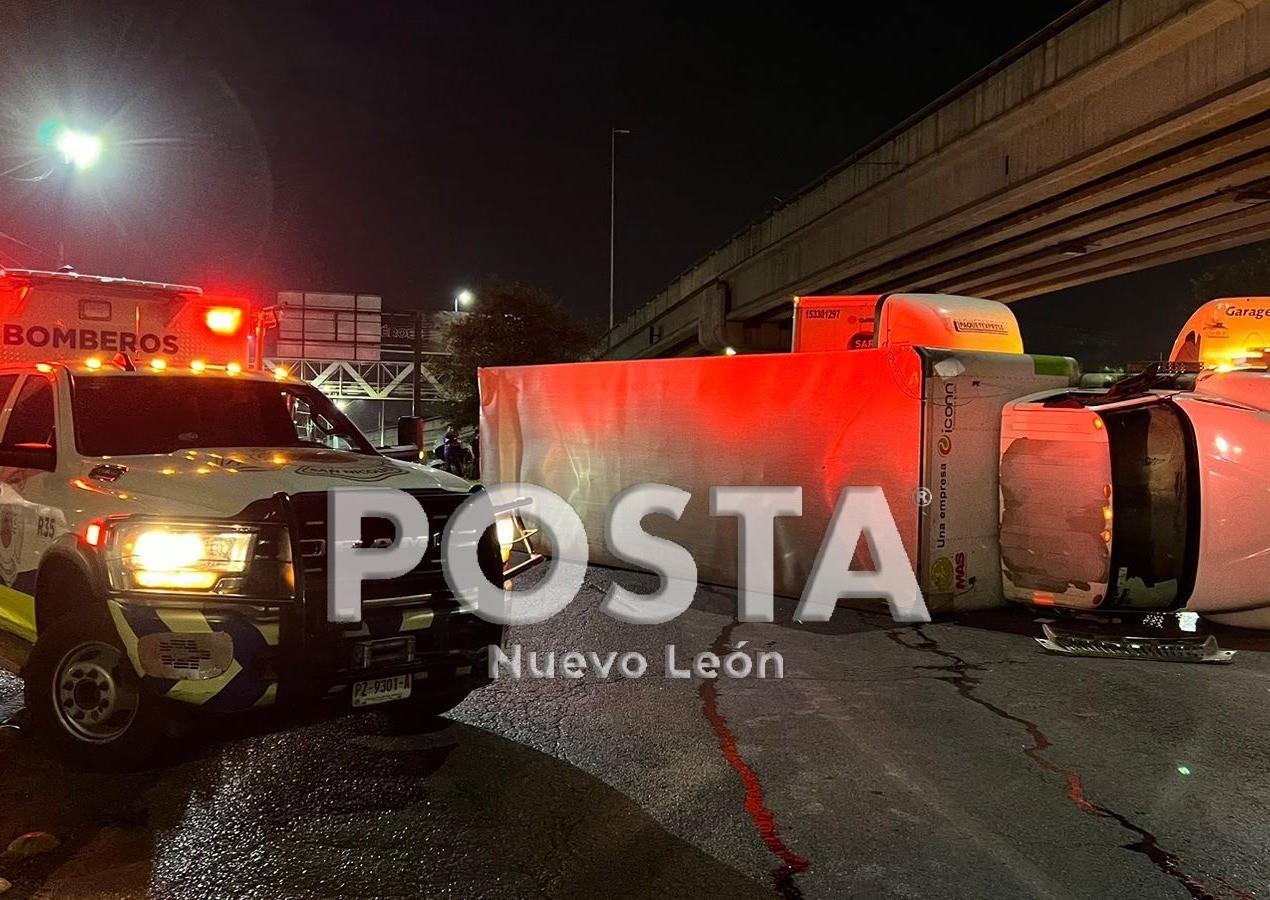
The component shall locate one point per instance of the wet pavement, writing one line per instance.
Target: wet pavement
(951, 759)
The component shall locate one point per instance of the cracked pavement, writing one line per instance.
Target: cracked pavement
(950, 759)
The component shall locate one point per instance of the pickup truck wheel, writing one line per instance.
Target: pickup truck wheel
(85, 700)
(419, 712)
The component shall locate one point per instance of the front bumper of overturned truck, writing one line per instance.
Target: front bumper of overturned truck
(236, 654)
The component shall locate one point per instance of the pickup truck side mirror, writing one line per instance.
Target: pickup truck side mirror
(28, 456)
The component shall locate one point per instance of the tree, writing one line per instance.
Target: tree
(1244, 275)
(512, 324)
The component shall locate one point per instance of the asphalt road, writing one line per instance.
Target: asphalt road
(949, 760)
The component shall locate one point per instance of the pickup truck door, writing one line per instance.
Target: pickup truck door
(26, 527)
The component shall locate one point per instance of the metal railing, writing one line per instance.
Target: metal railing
(359, 354)
(347, 379)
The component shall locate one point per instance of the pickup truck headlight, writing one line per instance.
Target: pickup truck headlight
(191, 557)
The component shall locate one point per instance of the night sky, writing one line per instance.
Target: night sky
(407, 149)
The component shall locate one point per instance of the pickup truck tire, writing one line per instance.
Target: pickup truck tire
(85, 700)
(419, 712)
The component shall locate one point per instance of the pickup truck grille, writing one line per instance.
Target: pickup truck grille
(425, 580)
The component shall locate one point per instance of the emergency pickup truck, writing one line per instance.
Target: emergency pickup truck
(163, 527)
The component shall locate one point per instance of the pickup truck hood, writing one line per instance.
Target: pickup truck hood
(223, 481)
(1234, 487)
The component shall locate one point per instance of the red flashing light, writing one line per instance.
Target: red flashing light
(225, 320)
(92, 534)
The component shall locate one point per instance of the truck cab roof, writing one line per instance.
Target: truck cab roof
(144, 369)
(70, 277)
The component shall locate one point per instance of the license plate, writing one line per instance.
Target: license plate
(381, 690)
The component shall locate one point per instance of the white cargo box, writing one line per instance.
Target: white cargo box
(65, 316)
(924, 425)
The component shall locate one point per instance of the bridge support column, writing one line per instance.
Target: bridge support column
(716, 334)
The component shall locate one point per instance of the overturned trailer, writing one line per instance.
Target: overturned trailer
(920, 422)
(1006, 479)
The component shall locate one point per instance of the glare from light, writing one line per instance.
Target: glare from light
(93, 362)
(729, 351)
(184, 580)
(198, 365)
(224, 319)
(234, 368)
(165, 550)
(1223, 445)
(465, 297)
(158, 364)
(505, 529)
(280, 372)
(78, 148)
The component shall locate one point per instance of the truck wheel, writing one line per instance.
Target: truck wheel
(85, 699)
(419, 712)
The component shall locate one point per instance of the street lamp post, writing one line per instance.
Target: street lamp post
(613, 211)
(463, 298)
(78, 149)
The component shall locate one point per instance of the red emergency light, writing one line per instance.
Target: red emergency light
(223, 320)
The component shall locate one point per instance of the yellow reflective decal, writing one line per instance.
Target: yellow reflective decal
(416, 619)
(268, 631)
(184, 620)
(17, 613)
(126, 634)
(200, 691)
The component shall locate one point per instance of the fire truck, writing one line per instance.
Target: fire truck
(163, 527)
(1008, 478)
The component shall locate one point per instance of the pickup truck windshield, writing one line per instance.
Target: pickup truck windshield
(122, 415)
(1151, 451)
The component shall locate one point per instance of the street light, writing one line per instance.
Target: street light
(463, 298)
(613, 212)
(78, 148)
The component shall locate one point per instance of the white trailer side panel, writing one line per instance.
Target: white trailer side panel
(822, 421)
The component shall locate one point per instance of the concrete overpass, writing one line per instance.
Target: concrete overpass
(1128, 134)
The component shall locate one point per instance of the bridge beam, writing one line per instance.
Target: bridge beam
(1131, 133)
